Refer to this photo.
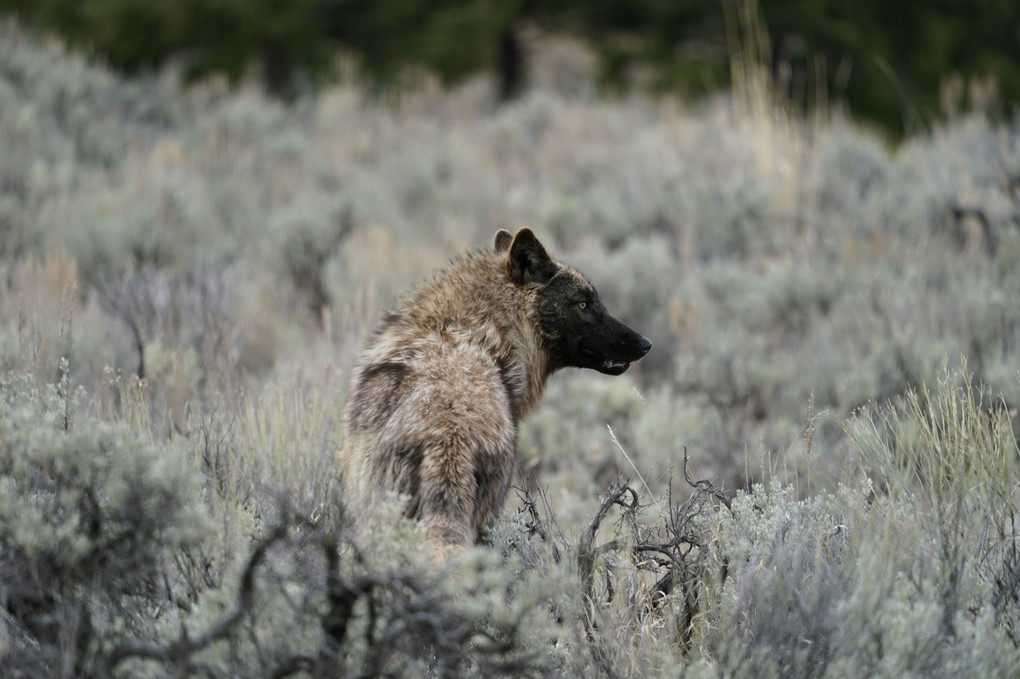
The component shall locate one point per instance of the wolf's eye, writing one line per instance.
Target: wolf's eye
(583, 305)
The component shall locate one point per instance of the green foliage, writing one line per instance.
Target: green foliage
(221, 36)
(903, 67)
(401, 33)
(904, 64)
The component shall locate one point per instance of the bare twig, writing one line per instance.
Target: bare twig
(705, 486)
(179, 653)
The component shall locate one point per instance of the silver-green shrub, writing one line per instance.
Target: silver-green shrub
(91, 517)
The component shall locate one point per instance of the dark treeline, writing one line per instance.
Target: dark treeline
(899, 64)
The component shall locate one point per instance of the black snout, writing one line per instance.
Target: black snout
(616, 355)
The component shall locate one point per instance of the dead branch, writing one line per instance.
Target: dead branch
(179, 653)
(705, 486)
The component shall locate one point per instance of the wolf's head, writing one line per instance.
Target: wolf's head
(577, 329)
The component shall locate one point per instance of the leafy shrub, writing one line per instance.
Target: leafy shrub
(90, 519)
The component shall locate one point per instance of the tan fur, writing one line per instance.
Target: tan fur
(443, 428)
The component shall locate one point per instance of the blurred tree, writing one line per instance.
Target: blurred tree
(456, 38)
(453, 38)
(887, 60)
(282, 37)
(683, 41)
(891, 61)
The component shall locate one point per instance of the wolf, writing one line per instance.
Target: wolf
(436, 399)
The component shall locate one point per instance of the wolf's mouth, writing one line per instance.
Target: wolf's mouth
(610, 367)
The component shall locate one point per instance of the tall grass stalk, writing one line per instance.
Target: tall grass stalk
(950, 450)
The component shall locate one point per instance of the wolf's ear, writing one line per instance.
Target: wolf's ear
(503, 240)
(528, 262)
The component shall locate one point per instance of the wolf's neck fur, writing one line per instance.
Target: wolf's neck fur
(470, 301)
